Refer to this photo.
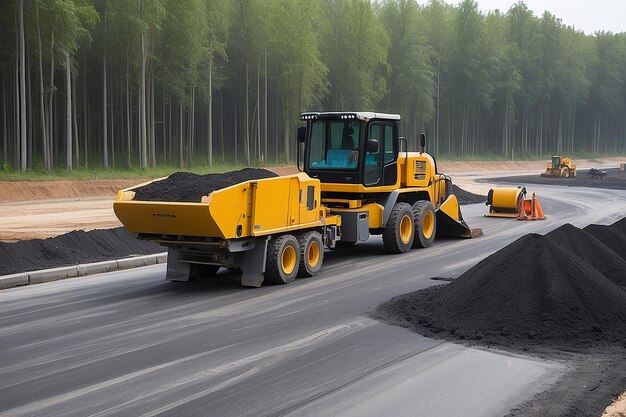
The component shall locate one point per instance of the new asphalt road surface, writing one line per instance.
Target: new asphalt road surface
(129, 343)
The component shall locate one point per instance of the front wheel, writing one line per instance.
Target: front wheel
(425, 224)
(400, 229)
(283, 259)
(566, 173)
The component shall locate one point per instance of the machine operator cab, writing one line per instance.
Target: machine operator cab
(351, 148)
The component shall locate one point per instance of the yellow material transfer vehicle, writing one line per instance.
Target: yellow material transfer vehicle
(355, 181)
(560, 166)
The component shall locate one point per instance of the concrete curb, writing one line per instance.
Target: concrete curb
(55, 274)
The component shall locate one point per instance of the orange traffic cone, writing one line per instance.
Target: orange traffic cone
(525, 209)
(537, 211)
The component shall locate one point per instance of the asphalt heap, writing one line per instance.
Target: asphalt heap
(189, 187)
(72, 248)
(564, 290)
(465, 197)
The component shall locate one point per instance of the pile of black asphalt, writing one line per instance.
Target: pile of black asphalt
(465, 197)
(190, 187)
(615, 179)
(561, 296)
(73, 248)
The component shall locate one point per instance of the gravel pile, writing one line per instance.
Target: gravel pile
(72, 248)
(189, 187)
(535, 292)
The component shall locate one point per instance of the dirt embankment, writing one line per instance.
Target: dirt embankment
(45, 190)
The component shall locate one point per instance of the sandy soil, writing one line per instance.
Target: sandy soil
(47, 218)
(41, 209)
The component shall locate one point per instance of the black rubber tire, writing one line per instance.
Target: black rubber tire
(199, 271)
(311, 259)
(392, 233)
(422, 211)
(275, 271)
(566, 173)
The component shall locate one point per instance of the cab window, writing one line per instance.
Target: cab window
(334, 144)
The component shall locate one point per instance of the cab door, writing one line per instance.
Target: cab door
(380, 168)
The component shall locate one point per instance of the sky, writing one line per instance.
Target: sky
(586, 15)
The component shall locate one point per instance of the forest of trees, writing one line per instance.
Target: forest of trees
(141, 83)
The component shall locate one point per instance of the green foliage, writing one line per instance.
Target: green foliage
(74, 20)
(506, 84)
(354, 47)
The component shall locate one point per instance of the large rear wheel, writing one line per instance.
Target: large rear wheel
(311, 253)
(283, 259)
(425, 224)
(400, 229)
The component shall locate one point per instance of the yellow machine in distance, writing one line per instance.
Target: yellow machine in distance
(356, 182)
(560, 166)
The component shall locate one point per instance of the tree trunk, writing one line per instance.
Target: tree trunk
(111, 121)
(68, 116)
(128, 110)
(265, 109)
(210, 114)
(105, 122)
(181, 163)
(258, 111)
(29, 112)
(221, 119)
(438, 108)
(163, 128)
(50, 106)
(247, 113)
(17, 108)
(192, 127)
(152, 125)
(142, 105)
(4, 121)
(75, 124)
(23, 162)
(85, 112)
(42, 110)
(571, 145)
(169, 136)
(235, 118)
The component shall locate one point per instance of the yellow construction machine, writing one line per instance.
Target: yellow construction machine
(560, 166)
(355, 181)
(512, 203)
